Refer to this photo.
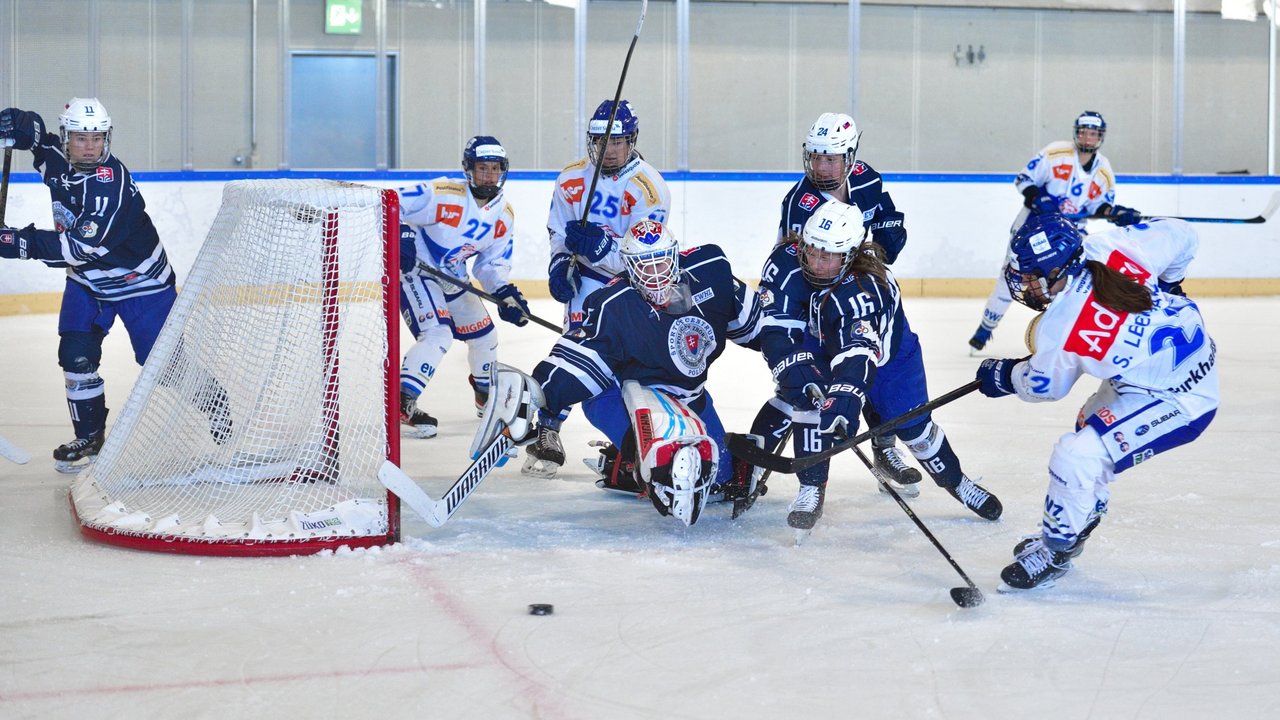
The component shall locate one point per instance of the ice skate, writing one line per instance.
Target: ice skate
(481, 395)
(890, 468)
(746, 485)
(806, 509)
(976, 498)
(415, 423)
(1075, 550)
(980, 338)
(612, 472)
(1035, 567)
(78, 454)
(545, 455)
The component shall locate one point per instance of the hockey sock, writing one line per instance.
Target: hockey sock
(934, 452)
(771, 423)
(807, 440)
(87, 402)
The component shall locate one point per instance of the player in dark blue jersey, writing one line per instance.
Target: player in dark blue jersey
(832, 172)
(833, 318)
(639, 366)
(115, 263)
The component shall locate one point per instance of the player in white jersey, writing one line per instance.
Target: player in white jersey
(1113, 309)
(585, 257)
(1071, 178)
(448, 224)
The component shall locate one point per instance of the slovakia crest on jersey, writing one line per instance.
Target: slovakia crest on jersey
(104, 174)
(809, 201)
(690, 341)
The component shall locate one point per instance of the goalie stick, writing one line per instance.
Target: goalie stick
(742, 448)
(468, 287)
(8, 450)
(965, 597)
(438, 512)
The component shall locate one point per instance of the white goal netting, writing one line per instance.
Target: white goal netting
(261, 416)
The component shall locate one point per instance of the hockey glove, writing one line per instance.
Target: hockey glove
(513, 308)
(793, 374)
(408, 249)
(1173, 288)
(587, 239)
(12, 244)
(1123, 216)
(562, 277)
(18, 126)
(1046, 204)
(887, 232)
(8, 122)
(995, 377)
(841, 409)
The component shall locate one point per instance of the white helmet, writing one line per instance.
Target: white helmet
(85, 115)
(830, 237)
(831, 134)
(651, 254)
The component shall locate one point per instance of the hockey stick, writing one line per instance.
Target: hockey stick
(1266, 214)
(742, 448)
(438, 512)
(4, 177)
(965, 597)
(617, 98)
(8, 450)
(468, 287)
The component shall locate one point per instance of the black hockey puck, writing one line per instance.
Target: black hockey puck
(541, 609)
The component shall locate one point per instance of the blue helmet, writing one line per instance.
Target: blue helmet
(1046, 249)
(626, 125)
(1090, 120)
(484, 147)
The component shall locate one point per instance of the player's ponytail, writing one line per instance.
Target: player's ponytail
(1118, 291)
(868, 261)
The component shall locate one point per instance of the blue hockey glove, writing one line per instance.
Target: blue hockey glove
(408, 249)
(20, 127)
(8, 122)
(1046, 204)
(887, 232)
(995, 377)
(793, 374)
(1173, 288)
(1124, 216)
(841, 409)
(513, 307)
(13, 245)
(562, 277)
(588, 240)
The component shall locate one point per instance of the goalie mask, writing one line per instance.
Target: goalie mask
(829, 150)
(486, 180)
(1044, 253)
(651, 255)
(830, 237)
(85, 127)
(1090, 130)
(622, 136)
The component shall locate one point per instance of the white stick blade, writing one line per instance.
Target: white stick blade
(13, 453)
(395, 480)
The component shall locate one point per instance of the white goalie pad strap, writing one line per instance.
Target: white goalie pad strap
(514, 401)
(662, 423)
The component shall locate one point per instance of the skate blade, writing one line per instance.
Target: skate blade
(741, 505)
(802, 534)
(1007, 589)
(417, 432)
(536, 468)
(906, 492)
(72, 467)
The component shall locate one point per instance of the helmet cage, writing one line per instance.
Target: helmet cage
(1090, 120)
(1045, 249)
(85, 115)
(626, 125)
(828, 241)
(831, 134)
(480, 148)
(652, 259)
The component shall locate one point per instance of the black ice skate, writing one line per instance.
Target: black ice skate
(977, 498)
(78, 454)
(612, 473)
(481, 395)
(414, 422)
(545, 455)
(806, 509)
(1035, 567)
(980, 338)
(889, 467)
(1075, 550)
(746, 485)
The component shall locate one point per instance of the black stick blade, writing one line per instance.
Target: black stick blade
(967, 597)
(747, 451)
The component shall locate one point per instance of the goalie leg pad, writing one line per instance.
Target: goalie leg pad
(514, 401)
(680, 465)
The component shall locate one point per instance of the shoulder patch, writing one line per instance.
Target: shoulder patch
(859, 167)
(650, 190)
(575, 166)
(1110, 179)
(1057, 152)
(448, 187)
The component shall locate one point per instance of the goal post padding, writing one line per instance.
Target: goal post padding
(270, 399)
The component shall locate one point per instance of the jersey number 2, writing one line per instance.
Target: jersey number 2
(1183, 346)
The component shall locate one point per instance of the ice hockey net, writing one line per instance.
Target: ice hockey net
(269, 401)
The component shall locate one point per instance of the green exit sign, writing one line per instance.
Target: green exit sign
(342, 17)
